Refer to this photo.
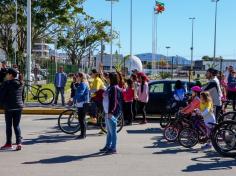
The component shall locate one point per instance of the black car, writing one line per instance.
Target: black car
(160, 93)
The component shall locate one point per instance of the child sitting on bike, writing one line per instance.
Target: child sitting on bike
(206, 111)
(195, 101)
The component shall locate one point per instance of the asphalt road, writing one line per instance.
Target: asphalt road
(141, 152)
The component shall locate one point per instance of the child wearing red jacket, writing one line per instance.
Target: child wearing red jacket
(128, 95)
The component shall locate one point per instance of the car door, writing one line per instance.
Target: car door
(157, 97)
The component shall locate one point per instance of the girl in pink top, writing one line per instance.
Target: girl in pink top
(195, 103)
(128, 95)
(143, 96)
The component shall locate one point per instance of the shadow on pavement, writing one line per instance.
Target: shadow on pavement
(65, 159)
(210, 161)
(165, 147)
(146, 131)
(48, 139)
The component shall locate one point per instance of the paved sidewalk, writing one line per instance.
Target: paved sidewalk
(142, 152)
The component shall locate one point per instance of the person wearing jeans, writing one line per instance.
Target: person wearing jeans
(112, 108)
(11, 98)
(60, 83)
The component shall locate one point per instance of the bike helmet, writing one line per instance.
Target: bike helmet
(196, 89)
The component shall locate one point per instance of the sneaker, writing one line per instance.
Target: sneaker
(143, 122)
(206, 147)
(6, 147)
(100, 133)
(18, 147)
(105, 149)
(92, 120)
(81, 137)
(111, 151)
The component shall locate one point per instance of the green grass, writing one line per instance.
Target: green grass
(48, 86)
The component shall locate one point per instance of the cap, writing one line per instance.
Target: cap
(196, 89)
(12, 71)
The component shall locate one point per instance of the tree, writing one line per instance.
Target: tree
(48, 18)
(82, 36)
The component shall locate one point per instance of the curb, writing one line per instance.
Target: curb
(40, 111)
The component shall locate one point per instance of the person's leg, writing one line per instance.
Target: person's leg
(143, 108)
(56, 96)
(217, 110)
(113, 124)
(134, 109)
(8, 120)
(81, 114)
(130, 113)
(62, 90)
(125, 112)
(108, 139)
(16, 125)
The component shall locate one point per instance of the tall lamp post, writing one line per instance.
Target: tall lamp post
(167, 53)
(28, 63)
(111, 34)
(216, 5)
(192, 19)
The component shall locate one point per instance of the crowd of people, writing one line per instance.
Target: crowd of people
(113, 94)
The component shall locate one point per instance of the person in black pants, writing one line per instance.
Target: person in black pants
(11, 93)
(128, 96)
(81, 98)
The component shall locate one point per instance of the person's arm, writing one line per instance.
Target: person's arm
(112, 100)
(55, 80)
(3, 93)
(210, 86)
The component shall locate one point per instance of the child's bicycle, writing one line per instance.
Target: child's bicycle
(171, 132)
(68, 121)
(196, 133)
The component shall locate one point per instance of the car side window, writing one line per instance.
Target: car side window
(157, 88)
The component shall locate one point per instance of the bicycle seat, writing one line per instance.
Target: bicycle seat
(39, 86)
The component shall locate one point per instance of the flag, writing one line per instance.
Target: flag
(160, 7)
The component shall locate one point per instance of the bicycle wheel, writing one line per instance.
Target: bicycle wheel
(171, 133)
(224, 138)
(120, 123)
(45, 96)
(188, 137)
(165, 119)
(68, 121)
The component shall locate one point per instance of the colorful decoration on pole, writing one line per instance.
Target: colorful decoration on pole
(160, 7)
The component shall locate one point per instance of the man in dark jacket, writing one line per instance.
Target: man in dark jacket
(60, 83)
(11, 100)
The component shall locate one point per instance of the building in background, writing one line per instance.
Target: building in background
(219, 64)
(40, 50)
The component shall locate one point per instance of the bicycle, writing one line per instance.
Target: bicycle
(171, 132)
(196, 133)
(68, 121)
(224, 138)
(45, 96)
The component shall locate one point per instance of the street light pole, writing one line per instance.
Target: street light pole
(214, 55)
(111, 34)
(28, 63)
(192, 19)
(131, 28)
(167, 53)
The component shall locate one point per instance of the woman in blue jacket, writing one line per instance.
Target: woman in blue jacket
(81, 98)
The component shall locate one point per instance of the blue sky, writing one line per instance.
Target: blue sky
(174, 27)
